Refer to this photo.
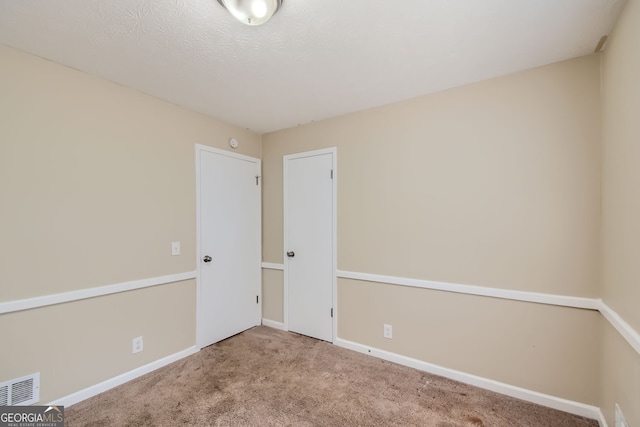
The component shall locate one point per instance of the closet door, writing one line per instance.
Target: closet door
(229, 239)
(309, 243)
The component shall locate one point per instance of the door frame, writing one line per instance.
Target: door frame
(199, 150)
(334, 237)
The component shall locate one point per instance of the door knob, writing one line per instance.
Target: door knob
(291, 254)
(206, 258)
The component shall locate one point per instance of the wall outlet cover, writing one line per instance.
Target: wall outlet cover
(137, 345)
(388, 331)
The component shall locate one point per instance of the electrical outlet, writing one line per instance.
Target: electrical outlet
(620, 420)
(175, 248)
(388, 331)
(137, 345)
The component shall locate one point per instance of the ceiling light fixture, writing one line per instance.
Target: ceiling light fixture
(252, 12)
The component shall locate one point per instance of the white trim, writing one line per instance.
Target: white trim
(93, 390)
(562, 300)
(285, 240)
(273, 324)
(80, 294)
(272, 266)
(335, 243)
(285, 201)
(625, 329)
(549, 401)
(259, 242)
(198, 149)
(601, 419)
(233, 154)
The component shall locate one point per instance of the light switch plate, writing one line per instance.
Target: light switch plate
(175, 248)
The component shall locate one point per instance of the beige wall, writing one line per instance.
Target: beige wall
(493, 184)
(620, 377)
(540, 347)
(621, 174)
(621, 210)
(272, 297)
(96, 181)
(80, 344)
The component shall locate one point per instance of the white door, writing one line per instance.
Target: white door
(229, 239)
(309, 243)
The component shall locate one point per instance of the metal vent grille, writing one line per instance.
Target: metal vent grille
(20, 391)
(4, 395)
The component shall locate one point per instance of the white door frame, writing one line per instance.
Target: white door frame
(334, 258)
(205, 148)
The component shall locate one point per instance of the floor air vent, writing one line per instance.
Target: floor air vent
(20, 391)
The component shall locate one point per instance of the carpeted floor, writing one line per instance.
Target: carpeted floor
(266, 377)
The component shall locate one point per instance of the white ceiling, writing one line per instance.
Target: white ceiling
(315, 59)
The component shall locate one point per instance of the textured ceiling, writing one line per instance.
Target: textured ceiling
(315, 59)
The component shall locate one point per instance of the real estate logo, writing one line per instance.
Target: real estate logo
(31, 416)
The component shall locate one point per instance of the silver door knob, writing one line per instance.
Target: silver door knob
(206, 258)
(291, 254)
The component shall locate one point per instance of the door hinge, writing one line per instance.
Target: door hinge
(257, 299)
(257, 178)
(331, 173)
(332, 312)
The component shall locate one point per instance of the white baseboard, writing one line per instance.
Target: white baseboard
(577, 408)
(88, 392)
(601, 419)
(273, 324)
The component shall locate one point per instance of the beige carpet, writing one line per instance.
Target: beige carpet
(266, 377)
